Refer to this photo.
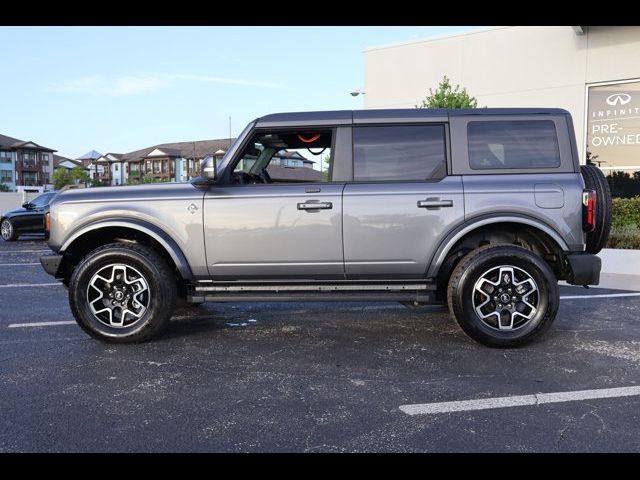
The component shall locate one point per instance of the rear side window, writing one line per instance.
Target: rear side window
(513, 144)
(399, 153)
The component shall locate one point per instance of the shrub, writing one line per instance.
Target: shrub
(625, 223)
(626, 236)
(626, 211)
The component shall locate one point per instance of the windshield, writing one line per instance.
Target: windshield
(42, 200)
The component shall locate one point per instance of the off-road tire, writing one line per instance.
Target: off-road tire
(461, 291)
(158, 275)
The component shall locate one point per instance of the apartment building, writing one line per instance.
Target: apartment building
(171, 162)
(25, 164)
(180, 162)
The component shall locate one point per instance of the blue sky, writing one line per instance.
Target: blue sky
(117, 89)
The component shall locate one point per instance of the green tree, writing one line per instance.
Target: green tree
(63, 177)
(80, 175)
(4, 188)
(447, 96)
(325, 164)
(591, 158)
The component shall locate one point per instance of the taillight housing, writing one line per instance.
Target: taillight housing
(47, 222)
(588, 210)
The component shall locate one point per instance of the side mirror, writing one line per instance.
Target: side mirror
(210, 168)
(27, 205)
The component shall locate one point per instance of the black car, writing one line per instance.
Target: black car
(27, 219)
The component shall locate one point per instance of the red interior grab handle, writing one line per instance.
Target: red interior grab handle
(312, 139)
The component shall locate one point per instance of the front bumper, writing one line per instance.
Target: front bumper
(584, 269)
(51, 263)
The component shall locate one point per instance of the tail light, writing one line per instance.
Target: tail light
(47, 222)
(588, 210)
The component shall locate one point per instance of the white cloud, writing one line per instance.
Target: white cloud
(229, 81)
(110, 86)
(117, 86)
(135, 85)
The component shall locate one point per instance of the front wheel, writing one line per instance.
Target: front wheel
(122, 293)
(503, 295)
(7, 230)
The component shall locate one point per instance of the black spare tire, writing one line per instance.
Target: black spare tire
(594, 179)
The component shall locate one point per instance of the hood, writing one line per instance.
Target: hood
(123, 193)
(13, 212)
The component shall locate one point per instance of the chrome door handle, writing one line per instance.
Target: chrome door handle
(315, 206)
(434, 203)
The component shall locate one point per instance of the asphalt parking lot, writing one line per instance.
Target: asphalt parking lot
(308, 377)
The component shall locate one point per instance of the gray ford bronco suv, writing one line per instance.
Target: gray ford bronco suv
(485, 210)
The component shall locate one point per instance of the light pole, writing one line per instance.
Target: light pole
(357, 92)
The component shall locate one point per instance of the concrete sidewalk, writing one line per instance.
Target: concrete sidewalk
(620, 269)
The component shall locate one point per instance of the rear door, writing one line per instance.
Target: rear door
(401, 201)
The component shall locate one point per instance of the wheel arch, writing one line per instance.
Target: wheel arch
(494, 226)
(100, 233)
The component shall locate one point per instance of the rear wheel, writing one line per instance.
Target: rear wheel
(503, 295)
(7, 230)
(122, 293)
(594, 179)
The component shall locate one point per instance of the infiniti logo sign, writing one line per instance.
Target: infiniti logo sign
(618, 99)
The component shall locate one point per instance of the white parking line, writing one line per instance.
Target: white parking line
(18, 285)
(17, 264)
(518, 400)
(40, 324)
(603, 295)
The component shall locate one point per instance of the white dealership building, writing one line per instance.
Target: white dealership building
(593, 72)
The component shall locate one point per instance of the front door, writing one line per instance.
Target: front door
(277, 216)
(400, 203)
(274, 231)
(33, 220)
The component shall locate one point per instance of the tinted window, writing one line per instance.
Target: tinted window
(398, 153)
(513, 144)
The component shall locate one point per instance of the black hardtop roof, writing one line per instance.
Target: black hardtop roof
(342, 117)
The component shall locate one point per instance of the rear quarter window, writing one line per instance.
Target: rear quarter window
(513, 144)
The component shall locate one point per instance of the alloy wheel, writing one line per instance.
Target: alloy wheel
(506, 297)
(118, 295)
(6, 229)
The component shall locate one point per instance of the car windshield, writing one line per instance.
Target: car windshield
(42, 200)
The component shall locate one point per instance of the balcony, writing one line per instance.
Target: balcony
(27, 166)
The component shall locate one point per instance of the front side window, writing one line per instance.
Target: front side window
(399, 153)
(513, 144)
(267, 157)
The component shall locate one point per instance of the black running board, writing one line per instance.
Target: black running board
(400, 292)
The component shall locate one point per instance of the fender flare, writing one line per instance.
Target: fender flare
(168, 243)
(456, 234)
